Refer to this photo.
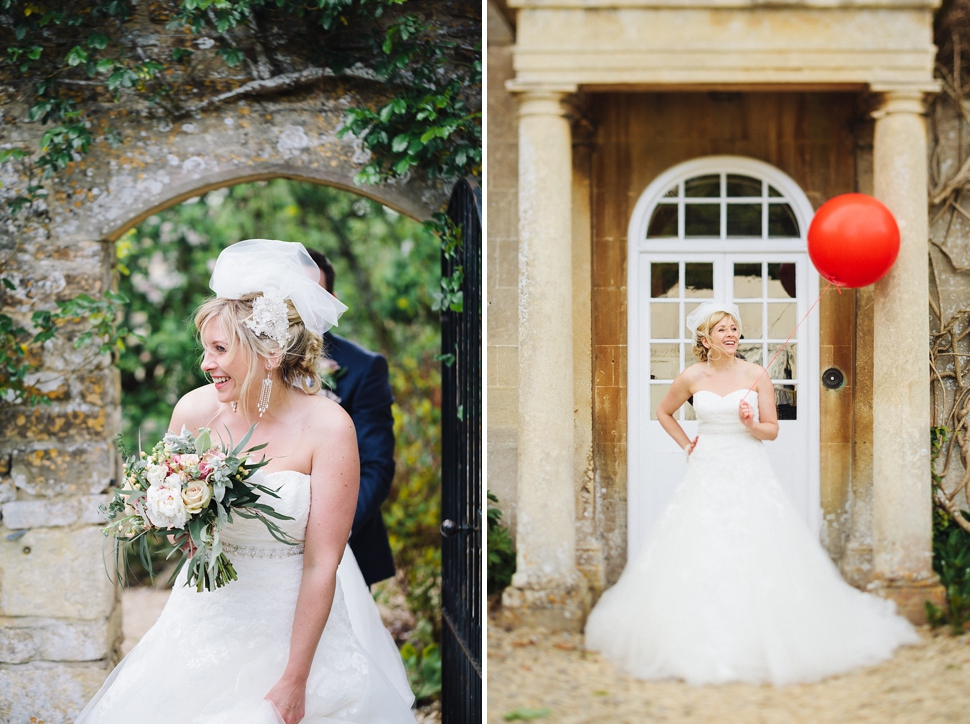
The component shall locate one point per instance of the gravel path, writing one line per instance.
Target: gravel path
(529, 671)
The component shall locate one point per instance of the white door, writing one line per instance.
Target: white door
(721, 245)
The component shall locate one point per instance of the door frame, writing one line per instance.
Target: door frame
(638, 458)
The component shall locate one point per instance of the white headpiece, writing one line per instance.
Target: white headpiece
(281, 270)
(695, 318)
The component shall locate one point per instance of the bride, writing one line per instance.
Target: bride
(731, 585)
(297, 637)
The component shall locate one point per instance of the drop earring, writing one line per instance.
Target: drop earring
(233, 405)
(263, 403)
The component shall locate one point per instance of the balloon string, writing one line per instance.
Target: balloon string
(767, 366)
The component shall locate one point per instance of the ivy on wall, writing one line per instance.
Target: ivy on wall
(65, 58)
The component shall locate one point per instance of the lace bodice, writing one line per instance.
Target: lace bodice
(717, 414)
(294, 490)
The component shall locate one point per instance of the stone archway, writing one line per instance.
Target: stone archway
(61, 619)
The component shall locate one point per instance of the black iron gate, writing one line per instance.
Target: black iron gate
(461, 477)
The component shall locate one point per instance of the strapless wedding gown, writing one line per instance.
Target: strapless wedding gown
(213, 656)
(731, 585)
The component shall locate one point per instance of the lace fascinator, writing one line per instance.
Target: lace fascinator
(697, 317)
(280, 270)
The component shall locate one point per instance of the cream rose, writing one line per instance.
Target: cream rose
(196, 496)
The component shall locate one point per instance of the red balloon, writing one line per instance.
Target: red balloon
(853, 240)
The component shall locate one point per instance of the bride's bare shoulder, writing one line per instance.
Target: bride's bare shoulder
(195, 409)
(324, 416)
(693, 373)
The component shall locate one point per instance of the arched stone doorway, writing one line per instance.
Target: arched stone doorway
(62, 621)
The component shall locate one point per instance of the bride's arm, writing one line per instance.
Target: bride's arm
(334, 479)
(767, 428)
(676, 396)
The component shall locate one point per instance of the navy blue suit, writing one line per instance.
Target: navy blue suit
(365, 393)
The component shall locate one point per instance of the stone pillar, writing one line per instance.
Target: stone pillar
(901, 504)
(547, 589)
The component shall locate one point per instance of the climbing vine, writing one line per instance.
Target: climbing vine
(65, 59)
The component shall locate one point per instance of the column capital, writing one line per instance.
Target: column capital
(902, 99)
(526, 88)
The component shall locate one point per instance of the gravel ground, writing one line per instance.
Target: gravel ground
(532, 671)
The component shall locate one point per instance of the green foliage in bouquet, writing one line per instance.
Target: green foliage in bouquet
(189, 489)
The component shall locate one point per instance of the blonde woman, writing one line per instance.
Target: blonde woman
(731, 585)
(296, 637)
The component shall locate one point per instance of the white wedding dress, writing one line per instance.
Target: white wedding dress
(731, 585)
(213, 656)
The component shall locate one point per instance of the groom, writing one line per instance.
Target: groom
(364, 391)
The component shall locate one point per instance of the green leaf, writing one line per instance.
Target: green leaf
(76, 56)
(98, 41)
(526, 714)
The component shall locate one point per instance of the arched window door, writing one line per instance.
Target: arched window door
(727, 228)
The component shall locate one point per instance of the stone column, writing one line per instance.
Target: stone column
(901, 504)
(547, 589)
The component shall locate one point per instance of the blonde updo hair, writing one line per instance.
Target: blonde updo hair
(704, 332)
(299, 359)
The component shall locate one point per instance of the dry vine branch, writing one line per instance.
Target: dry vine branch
(950, 359)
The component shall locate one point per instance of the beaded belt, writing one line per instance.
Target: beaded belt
(280, 551)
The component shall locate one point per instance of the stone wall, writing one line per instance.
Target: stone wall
(503, 269)
(59, 614)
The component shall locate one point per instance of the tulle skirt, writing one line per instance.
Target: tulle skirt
(212, 657)
(732, 586)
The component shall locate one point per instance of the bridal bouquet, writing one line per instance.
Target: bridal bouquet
(189, 489)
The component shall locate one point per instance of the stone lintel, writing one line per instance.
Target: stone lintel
(601, 45)
(556, 607)
(910, 595)
(540, 89)
(738, 4)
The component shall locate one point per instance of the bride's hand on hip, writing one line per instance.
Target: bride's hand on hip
(746, 414)
(289, 700)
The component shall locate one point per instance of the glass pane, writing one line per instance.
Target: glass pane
(672, 193)
(782, 319)
(744, 220)
(743, 186)
(781, 221)
(772, 191)
(783, 368)
(781, 281)
(786, 399)
(688, 308)
(747, 280)
(663, 222)
(750, 320)
(664, 361)
(708, 187)
(750, 352)
(657, 393)
(702, 220)
(664, 322)
(699, 280)
(664, 278)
